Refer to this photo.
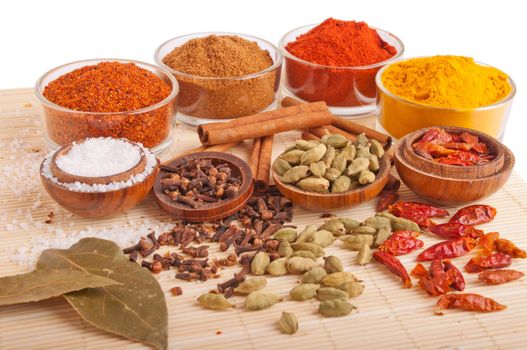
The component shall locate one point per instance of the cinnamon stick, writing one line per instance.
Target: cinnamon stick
(321, 131)
(264, 128)
(306, 135)
(216, 148)
(255, 156)
(264, 164)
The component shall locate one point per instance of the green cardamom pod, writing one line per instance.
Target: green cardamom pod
(334, 140)
(353, 288)
(382, 235)
(378, 222)
(304, 291)
(322, 238)
(363, 153)
(349, 224)
(214, 301)
(335, 308)
(366, 177)
(285, 234)
(365, 255)
(288, 323)
(355, 242)
(399, 224)
(349, 151)
(337, 278)
(361, 141)
(315, 275)
(332, 174)
(387, 215)
(340, 162)
(280, 166)
(277, 267)
(304, 254)
(313, 155)
(259, 263)
(333, 264)
(328, 156)
(306, 233)
(293, 157)
(374, 163)
(314, 184)
(318, 169)
(306, 145)
(295, 174)
(251, 285)
(357, 166)
(284, 249)
(365, 230)
(298, 265)
(341, 184)
(335, 226)
(328, 293)
(260, 300)
(376, 148)
(313, 248)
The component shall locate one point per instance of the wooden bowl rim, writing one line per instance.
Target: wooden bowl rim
(508, 164)
(243, 168)
(408, 140)
(384, 170)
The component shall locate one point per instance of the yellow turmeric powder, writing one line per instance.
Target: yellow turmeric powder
(446, 81)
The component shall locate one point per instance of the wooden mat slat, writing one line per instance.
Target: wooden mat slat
(388, 317)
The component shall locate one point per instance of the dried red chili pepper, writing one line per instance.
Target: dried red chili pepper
(448, 249)
(505, 246)
(402, 242)
(469, 302)
(436, 268)
(452, 161)
(419, 271)
(474, 214)
(417, 209)
(386, 198)
(487, 242)
(394, 265)
(494, 261)
(437, 135)
(499, 276)
(451, 230)
(459, 280)
(437, 285)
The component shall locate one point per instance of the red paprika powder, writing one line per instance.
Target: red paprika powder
(342, 53)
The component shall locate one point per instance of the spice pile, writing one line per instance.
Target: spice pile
(108, 87)
(220, 61)
(195, 182)
(452, 149)
(334, 164)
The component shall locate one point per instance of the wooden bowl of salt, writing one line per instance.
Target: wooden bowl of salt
(99, 177)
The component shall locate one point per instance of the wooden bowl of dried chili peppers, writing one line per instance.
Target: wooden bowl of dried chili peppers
(203, 186)
(452, 165)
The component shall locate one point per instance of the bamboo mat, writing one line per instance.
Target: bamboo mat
(388, 317)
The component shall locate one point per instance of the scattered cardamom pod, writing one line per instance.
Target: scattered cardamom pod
(335, 308)
(332, 174)
(353, 288)
(313, 155)
(334, 140)
(365, 255)
(328, 293)
(251, 285)
(280, 166)
(357, 166)
(298, 265)
(284, 249)
(313, 248)
(213, 301)
(378, 222)
(314, 184)
(335, 226)
(337, 278)
(304, 254)
(288, 323)
(293, 157)
(333, 264)
(306, 145)
(322, 238)
(365, 230)
(277, 267)
(382, 235)
(306, 233)
(260, 300)
(315, 275)
(259, 263)
(318, 169)
(304, 291)
(295, 174)
(366, 177)
(328, 156)
(341, 184)
(349, 224)
(376, 148)
(285, 234)
(355, 242)
(399, 224)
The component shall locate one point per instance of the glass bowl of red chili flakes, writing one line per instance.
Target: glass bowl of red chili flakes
(336, 62)
(108, 97)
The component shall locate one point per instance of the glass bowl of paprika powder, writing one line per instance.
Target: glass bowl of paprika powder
(347, 90)
(108, 97)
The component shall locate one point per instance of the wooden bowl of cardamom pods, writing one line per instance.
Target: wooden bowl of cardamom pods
(332, 173)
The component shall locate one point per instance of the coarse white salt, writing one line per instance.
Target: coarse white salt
(101, 156)
(151, 163)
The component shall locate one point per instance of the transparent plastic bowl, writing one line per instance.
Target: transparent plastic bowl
(348, 91)
(398, 116)
(152, 126)
(207, 99)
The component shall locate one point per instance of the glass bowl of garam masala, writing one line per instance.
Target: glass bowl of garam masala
(221, 75)
(119, 98)
(422, 92)
(336, 62)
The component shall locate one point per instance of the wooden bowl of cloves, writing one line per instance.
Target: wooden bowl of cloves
(203, 186)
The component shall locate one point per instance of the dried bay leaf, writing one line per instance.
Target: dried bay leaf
(44, 284)
(136, 309)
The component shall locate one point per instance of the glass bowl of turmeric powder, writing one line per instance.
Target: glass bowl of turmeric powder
(430, 91)
(221, 75)
(111, 98)
(336, 62)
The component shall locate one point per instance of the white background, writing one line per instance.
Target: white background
(36, 36)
